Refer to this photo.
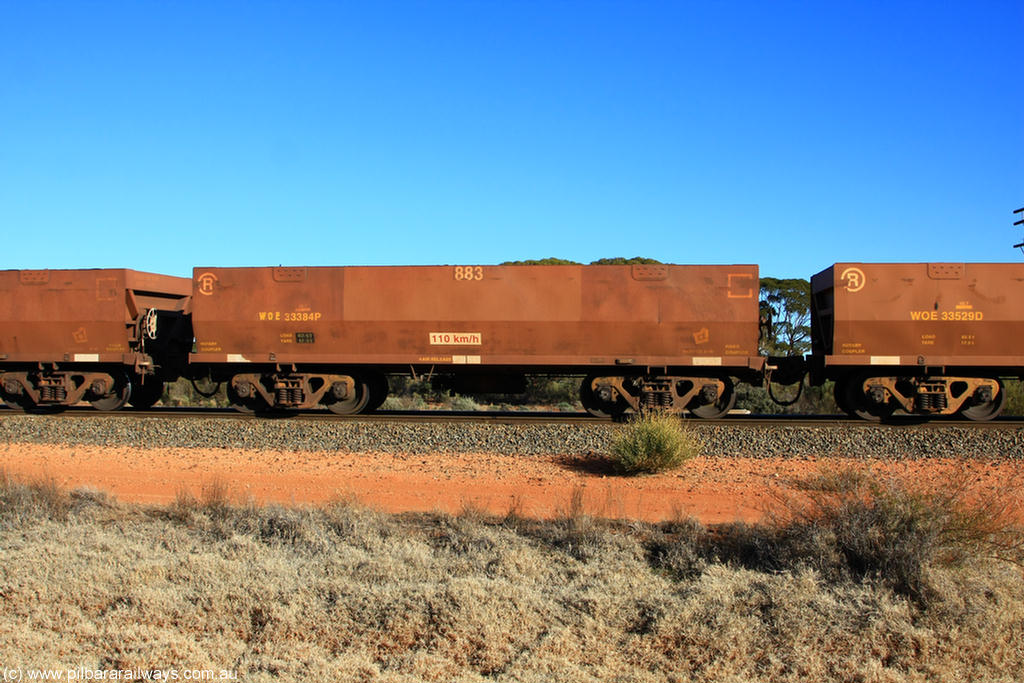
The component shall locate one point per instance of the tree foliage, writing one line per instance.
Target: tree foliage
(611, 261)
(787, 304)
(622, 261)
(550, 261)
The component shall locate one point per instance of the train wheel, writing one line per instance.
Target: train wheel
(721, 407)
(243, 404)
(114, 397)
(145, 394)
(839, 393)
(353, 404)
(379, 389)
(598, 408)
(590, 402)
(857, 404)
(981, 412)
(18, 402)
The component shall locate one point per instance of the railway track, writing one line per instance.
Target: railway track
(516, 434)
(522, 418)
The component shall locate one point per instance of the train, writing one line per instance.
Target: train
(920, 339)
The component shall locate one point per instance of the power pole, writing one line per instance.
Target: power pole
(1020, 212)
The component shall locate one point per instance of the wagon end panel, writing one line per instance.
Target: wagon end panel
(145, 291)
(822, 312)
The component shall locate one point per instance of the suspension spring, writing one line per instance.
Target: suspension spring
(930, 402)
(288, 396)
(52, 393)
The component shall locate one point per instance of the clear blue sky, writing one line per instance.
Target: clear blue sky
(162, 135)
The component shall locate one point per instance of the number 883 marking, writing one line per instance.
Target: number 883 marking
(469, 272)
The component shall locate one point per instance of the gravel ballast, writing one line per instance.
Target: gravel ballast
(854, 440)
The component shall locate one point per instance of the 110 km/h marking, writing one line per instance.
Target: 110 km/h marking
(456, 338)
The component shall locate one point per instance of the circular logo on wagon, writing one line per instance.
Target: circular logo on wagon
(206, 282)
(853, 279)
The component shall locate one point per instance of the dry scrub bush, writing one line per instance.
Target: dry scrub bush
(681, 548)
(852, 524)
(22, 500)
(653, 442)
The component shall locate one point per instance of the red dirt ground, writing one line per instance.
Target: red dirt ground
(711, 489)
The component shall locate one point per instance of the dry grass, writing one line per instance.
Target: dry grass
(346, 593)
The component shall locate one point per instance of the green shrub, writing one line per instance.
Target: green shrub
(182, 393)
(549, 391)
(653, 442)
(463, 403)
(1014, 397)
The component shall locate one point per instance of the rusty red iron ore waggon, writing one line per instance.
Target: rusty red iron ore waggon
(924, 339)
(643, 335)
(104, 336)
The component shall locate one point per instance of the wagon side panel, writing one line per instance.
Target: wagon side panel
(492, 315)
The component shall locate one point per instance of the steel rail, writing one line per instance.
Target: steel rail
(521, 417)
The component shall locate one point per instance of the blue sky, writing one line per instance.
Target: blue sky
(163, 135)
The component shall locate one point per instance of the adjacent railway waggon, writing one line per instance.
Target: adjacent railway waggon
(918, 338)
(106, 336)
(922, 338)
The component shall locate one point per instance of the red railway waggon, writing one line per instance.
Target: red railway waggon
(920, 338)
(642, 335)
(106, 336)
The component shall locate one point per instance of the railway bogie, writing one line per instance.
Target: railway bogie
(877, 397)
(614, 396)
(271, 390)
